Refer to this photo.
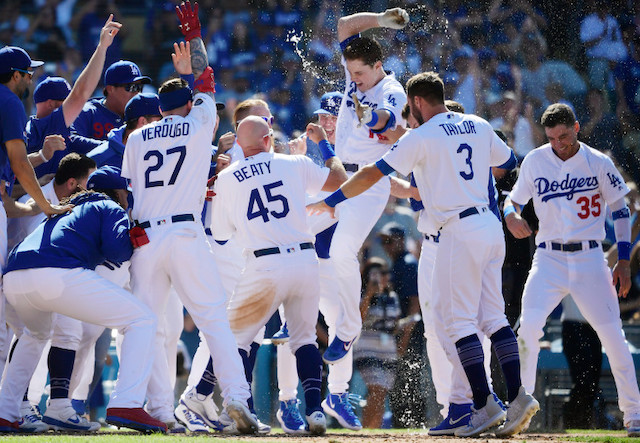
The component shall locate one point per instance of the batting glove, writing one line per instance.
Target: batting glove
(206, 81)
(189, 21)
(396, 18)
(363, 112)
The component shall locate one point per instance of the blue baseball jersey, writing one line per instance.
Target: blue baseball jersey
(96, 230)
(95, 120)
(110, 152)
(39, 128)
(13, 120)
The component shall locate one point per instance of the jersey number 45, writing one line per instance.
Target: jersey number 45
(257, 207)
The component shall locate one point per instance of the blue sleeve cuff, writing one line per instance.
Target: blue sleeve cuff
(326, 149)
(621, 213)
(384, 167)
(346, 41)
(390, 123)
(624, 250)
(335, 198)
(416, 205)
(511, 163)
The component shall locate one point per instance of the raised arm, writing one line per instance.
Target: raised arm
(90, 76)
(354, 24)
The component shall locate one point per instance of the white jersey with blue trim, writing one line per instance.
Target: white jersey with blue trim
(168, 162)
(569, 196)
(450, 156)
(262, 200)
(360, 145)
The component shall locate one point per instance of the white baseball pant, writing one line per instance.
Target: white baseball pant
(178, 255)
(84, 295)
(586, 276)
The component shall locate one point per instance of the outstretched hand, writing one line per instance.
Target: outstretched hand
(319, 208)
(109, 31)
(189, 21)
(181, 58)
(396, 18)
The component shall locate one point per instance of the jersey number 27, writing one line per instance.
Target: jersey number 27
(257, 207)
(148, 183)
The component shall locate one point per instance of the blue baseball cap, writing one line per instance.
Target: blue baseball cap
(330, 103)
(123, 72)
(51, 88)
(12, 57)
(141, 105)
(107, 177)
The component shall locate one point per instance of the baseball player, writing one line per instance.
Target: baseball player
(261, 200)
(52, 271)
(452, 177)
(122, 81)
(168, 163)
(58, 106)
(359, 141)
(570, 184)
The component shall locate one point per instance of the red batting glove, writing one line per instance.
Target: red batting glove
(189, 21)
(206, 82)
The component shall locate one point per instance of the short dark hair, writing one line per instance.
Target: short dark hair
(133, 123)
(6, 77)
(454, 106)
(427, 85)
(173, 84)
(406, 110)
(73, 165)
(558, 114)
(363, 48)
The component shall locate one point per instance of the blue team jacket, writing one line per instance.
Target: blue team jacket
(96, 230)
(111, 151)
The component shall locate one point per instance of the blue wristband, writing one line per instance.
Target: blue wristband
(508, 210)
(374, 119)
(190, 78)
(624, 250)
(326, 149)
(335, 198)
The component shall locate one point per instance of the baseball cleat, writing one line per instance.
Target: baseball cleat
(519, 413)
(339, 407)
(282, 336)
(65, 418)
(80, 406)
(317, 423)
(7, 426)
(633, 428)
(192, 421)
(458, 417)
(135, 418)
(202, 406)
(337, 350)
(31, 420)
(482, 419)
(289, 417)
(246, 422)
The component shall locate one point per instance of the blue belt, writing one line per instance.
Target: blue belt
(569, 247)
(271, 251)
(434, 238)
(174, 219)
(472, 211)
(351, 167)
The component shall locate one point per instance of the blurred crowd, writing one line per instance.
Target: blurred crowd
(505, 60)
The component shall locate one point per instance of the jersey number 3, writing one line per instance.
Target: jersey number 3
(148, 183)
(589, 207)
(464, 174)
(255, 202)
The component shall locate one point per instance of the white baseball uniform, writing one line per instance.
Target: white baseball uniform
(569, 198)
(261, 201)
(168, 164)
(357, 147)
(450, 156)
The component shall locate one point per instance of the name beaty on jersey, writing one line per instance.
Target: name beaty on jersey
(166, 129)
(252, 170)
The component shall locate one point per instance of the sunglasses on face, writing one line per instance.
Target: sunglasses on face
(23, 71)
(269, 120)
(132, 87)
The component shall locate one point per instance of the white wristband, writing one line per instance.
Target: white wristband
(41, 154)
